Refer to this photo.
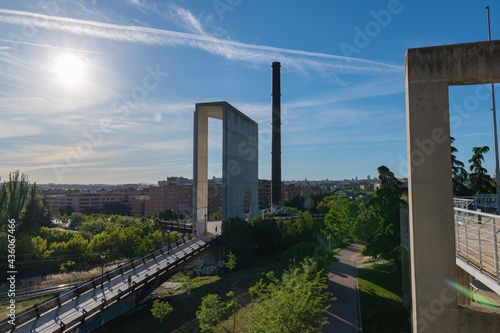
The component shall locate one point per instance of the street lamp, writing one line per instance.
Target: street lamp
(103, 255)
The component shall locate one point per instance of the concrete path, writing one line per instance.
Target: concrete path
(343, 314)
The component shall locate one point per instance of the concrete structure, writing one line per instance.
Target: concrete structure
(239, 161)
(429, 73)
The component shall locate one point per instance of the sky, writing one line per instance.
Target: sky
(104, 91)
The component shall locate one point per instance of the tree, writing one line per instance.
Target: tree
(459, 174)
(366, 226)
(303, 229)
(36, 212)
(297, 202)
(341, 217)
(267, 234)
(210, 312)
(217, 216)
(116, 207)
(167, 215)
(231, 262)
(76, 220)
(13, 196)
(66, 210)
(23, 203)
(237, 237)
(161, 310)
(386, 242)
(480, 181)
(293, 304)
(231, 305)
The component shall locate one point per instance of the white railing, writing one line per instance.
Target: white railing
(464, 203)
(476, 236)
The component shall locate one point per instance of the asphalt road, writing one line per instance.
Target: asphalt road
(343, 314)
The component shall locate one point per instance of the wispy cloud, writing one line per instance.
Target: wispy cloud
(297, 59)
(186, 19)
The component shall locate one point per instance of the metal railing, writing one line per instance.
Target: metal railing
(464, 203)
(485, 200)
(38, 309)
(476, 236)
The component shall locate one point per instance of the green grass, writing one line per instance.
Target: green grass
(22, 305)
(183, 318)
(381, 299)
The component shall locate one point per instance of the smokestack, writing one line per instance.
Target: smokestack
(276, 144)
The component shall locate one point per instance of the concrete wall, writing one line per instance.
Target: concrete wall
(239, 160)
(429, 72)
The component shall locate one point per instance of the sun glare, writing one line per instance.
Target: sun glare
(69, 69)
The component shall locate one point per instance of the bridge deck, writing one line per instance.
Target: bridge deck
(89, 302)
(477, 246)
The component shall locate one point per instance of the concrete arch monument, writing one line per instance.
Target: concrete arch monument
(239, 161)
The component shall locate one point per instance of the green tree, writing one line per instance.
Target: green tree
(293, 304)
(167, 215)
(76, 220)
(24, 203)
(480, 181)
(266, 233)
(459, 174)
(341, 217)
(297, 202)
(365, 227)
(161, 310)
(302, 229)
(66, 210)
(231, 262)
(231, 305)
(386, 242)
(217, 216)
(13, 195)
(116, 207)
(36, 212)
(117, 242)
(237, 237)
(210, 312)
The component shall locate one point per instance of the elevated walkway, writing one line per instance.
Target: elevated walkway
(89, 306)
(476, 236)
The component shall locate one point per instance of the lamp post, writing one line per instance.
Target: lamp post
(495, 136)
(103, 256)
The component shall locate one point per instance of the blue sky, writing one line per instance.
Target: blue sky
(104, 91)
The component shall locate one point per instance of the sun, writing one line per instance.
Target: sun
(69, 69)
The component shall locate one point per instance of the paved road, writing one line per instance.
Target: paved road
(343, 313)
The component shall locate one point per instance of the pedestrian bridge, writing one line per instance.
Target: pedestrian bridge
(98, 301)
(476, 236)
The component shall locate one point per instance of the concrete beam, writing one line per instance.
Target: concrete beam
(429, 72)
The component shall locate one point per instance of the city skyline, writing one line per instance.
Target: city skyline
(104, 92)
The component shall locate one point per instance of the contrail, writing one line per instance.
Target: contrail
(49, 46)
(227, 48)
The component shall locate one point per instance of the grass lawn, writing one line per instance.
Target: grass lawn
(21, 306)
(381, 299)
(183, 318)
